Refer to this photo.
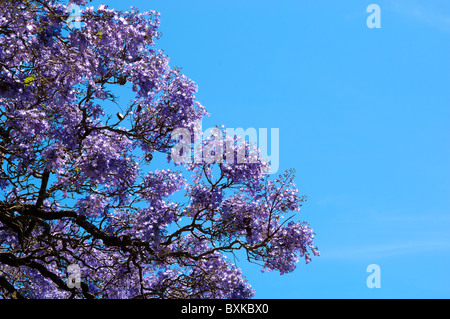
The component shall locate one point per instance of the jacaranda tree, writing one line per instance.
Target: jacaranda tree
(83, 211)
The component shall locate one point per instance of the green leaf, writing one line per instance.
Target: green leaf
(28, 80)
(100, 35)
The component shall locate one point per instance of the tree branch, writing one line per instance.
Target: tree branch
(15, 294)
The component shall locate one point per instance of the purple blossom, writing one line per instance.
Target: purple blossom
(75, 187)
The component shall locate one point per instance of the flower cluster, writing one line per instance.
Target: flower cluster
(75, 187)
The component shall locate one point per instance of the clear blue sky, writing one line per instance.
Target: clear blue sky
(364, 119)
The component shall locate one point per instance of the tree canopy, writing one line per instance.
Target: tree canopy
(77, 179)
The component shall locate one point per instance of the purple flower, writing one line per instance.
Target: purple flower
(76, 189)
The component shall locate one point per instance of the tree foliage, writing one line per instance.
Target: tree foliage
(77, 180)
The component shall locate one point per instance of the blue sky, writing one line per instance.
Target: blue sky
(363, 117)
